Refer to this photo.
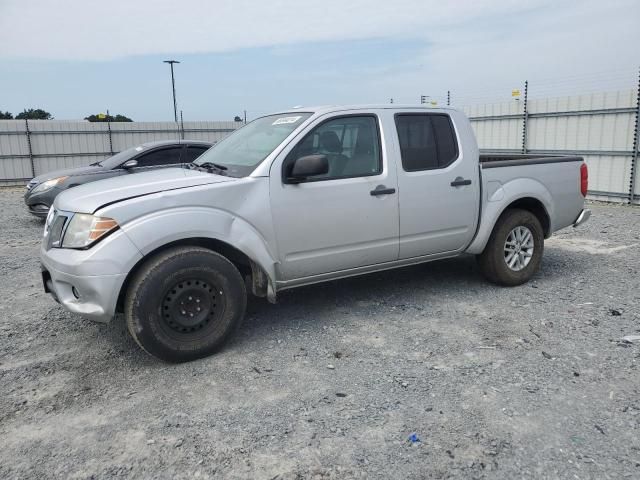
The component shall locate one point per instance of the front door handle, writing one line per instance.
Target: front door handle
(459, 182)
(382, 190)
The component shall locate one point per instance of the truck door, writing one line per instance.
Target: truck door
(346, 218)
(439, 191)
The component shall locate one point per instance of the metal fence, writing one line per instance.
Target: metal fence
(602, 127)
(32, 147)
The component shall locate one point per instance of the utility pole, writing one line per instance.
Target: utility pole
(448, 98)
(245, 117)
(423, 99)
(173, 85)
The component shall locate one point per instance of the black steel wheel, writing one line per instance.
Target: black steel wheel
(191, 305)
(184, 303)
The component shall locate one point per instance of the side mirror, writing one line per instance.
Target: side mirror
(308, 166)
(130, 164)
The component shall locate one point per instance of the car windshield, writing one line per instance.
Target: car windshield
(120, 158)
(242, 151)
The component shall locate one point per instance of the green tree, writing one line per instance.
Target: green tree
(5, 115)
(101, 117)
(34, 114)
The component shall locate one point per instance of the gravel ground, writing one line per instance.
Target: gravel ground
(523, 382)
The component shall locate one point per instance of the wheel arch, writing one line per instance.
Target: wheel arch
(539, 204)
(245, 265)
(534, 206)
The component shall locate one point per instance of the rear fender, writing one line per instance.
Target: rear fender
(497, 197)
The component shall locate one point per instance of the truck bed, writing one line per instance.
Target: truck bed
(554, 178)
(496, 160)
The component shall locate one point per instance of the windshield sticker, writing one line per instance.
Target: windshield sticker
(285, 120)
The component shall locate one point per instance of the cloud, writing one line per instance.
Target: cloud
(105, 30)
(75, 57)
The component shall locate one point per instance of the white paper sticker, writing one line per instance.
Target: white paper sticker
(285, 120)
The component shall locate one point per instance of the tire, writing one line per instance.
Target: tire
(184, 304)
(517, 240)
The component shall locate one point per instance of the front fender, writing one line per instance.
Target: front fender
(497, 197)
(159, 228)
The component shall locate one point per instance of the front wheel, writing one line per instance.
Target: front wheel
(514, 250)
(184, 303)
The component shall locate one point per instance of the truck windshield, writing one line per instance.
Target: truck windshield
(242, 151)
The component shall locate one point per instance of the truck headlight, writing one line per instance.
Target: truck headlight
(48, 185)
(85, 229)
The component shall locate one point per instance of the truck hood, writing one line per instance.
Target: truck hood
(89, 197)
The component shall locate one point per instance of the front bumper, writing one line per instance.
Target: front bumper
(39, 203)
(88, 282)
(92, 297)
(583, 217)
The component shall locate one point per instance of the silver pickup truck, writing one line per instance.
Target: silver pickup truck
(292, 199)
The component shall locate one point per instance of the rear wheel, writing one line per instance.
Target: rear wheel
(514, 250)
(185, 303)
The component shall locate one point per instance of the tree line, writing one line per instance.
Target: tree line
(40, 114)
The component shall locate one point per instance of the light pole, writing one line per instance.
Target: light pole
(173, 85)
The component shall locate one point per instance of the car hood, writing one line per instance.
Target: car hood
(89, 197)
(68, 172)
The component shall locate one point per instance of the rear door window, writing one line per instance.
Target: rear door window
(427, 141)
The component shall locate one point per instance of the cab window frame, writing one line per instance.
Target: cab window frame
(288, 160)
(452, 127)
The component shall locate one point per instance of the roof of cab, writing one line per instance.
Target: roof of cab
(322, 109)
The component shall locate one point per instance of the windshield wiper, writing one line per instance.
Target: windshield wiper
(220, 169)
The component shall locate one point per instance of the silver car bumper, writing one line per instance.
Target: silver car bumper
(583, 217)
(91, 297)
(88, 282)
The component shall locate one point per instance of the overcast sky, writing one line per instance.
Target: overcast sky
(76, 57)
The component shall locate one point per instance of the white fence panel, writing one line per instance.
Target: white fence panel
(15, 165)
(58, 144)
(600, 127)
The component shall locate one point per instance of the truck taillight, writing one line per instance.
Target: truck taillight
(584, 179)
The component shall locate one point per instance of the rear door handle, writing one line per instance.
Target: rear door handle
(459, 181)
(382, 190)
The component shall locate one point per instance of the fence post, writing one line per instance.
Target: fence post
(28, 132)
(181, 125)
(525, 117)
(636, 141)
(109, 130)
(448, 98)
